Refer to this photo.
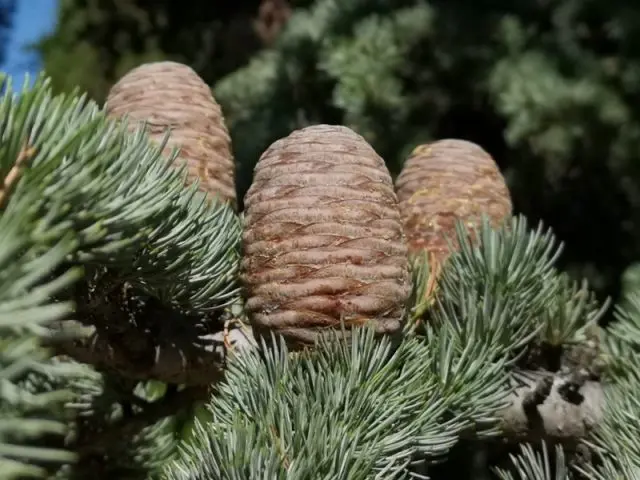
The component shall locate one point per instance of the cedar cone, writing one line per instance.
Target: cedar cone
(169, 94)
(442, 182)
(323, 239)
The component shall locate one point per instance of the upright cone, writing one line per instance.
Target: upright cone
(169, 94)
(445, 181)
(323, 238)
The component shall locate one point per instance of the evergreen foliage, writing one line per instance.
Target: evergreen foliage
(366, 409)
(123, 344)
(81, 194)
(25, 310)
(95, 43)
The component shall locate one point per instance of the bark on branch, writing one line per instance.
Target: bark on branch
(115, 329)
(153, 342)
(175, 360)
(555, 408)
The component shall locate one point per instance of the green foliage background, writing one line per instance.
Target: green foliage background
(549, 88)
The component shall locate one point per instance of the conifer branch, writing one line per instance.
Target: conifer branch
(532, 465)
(28, 414)
(539, 411)
(178, 362)
(116, 328)
(127, 211)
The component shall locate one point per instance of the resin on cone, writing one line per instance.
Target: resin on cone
(446, 181)
(172, 95)
(324, 247)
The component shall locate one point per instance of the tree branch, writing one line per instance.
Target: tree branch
(145, 341)
(174, 359)
(556, 408)
(544, 406)
(118, 330)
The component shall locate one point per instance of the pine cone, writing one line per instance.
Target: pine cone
(445, 181)
(323, 239)
(169, 94)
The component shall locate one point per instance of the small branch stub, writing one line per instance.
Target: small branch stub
(539, 411)
(446, 181)
(324, 247)
(172, 95)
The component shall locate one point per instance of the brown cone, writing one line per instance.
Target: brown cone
(323, 238)
(445, 181)
(169, 94)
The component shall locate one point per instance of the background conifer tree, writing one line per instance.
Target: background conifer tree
(549, 89)
(338, 317)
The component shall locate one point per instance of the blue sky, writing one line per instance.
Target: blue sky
(33, 18)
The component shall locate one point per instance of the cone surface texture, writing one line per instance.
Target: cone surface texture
(170, 94)
(445, 181)
(323, 238)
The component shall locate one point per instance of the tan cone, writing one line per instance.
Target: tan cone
(323, 238)
(442, 182)
(169, 94)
